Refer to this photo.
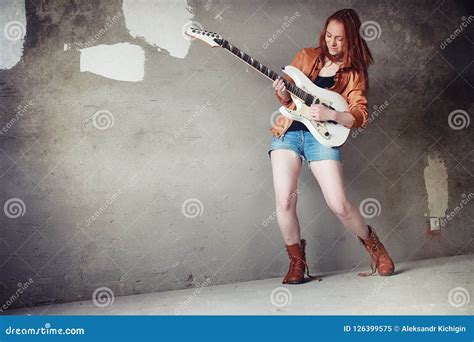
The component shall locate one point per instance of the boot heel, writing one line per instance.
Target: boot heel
(380, 259)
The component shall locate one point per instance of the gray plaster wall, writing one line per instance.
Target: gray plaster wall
(177, 191)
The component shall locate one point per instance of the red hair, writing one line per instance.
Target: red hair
(355, 49)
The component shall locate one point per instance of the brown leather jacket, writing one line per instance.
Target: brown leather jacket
(349, 83)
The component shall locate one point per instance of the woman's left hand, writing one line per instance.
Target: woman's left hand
(321, 113)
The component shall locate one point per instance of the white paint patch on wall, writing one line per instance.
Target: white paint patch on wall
(160, 23)
(436, 182)
(122, 62)
(12, 34)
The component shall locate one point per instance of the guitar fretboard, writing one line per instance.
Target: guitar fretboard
(292, 88)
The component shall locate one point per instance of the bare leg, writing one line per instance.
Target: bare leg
(329, 175)
(286, 167)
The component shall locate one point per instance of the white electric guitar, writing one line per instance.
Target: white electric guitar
(303, 92)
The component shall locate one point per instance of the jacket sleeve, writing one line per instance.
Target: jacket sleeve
(297, 62)
(358, 101)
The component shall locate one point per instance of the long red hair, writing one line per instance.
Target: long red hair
(354, 47)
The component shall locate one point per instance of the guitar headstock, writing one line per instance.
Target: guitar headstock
(211, 38)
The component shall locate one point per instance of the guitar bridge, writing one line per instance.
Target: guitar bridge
(321, 128)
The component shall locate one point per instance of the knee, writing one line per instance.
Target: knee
(340, 207)
(286, 203)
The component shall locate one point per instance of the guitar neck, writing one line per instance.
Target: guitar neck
(267, 72)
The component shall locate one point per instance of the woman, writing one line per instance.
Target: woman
(340, 64)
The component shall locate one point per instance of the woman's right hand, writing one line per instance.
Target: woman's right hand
(279, 85)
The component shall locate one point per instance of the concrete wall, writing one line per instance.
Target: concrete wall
(136, 160)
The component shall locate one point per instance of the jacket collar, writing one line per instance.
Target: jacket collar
(345, 65)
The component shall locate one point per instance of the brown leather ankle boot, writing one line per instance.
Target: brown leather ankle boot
(381, 261)
(297, 255)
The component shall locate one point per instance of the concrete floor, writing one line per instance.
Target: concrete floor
(430, 287)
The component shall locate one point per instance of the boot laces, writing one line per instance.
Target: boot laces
(374, 259)
(298, 261)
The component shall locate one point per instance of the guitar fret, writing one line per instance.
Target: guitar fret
(292, 88)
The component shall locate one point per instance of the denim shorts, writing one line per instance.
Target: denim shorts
(305, 146)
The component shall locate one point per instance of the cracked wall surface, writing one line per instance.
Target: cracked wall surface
(135, 159)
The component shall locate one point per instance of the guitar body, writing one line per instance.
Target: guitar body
(328, 133)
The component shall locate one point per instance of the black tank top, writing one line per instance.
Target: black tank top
(322, 82)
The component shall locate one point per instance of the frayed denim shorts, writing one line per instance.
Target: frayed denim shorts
(305, 145)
